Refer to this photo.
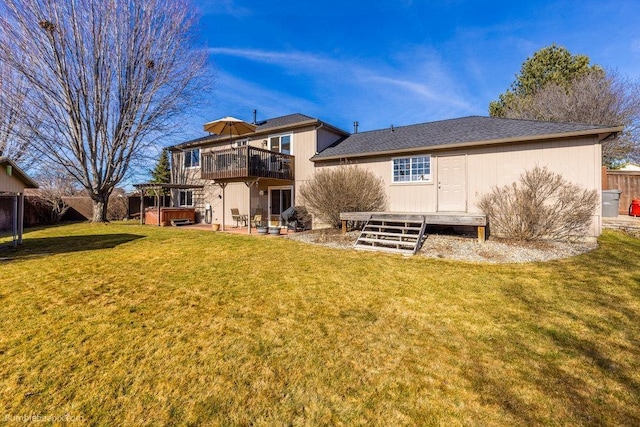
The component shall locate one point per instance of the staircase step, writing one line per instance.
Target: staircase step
(397, 218)
(384, 249)
(395, 227)
(387, 242)
(392, 233)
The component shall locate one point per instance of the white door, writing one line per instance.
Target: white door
(452, 184)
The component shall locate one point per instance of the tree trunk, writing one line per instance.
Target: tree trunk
(100, 204)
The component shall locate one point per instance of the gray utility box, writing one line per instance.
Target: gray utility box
(610, 202)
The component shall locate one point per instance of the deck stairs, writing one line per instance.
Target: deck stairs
(402, 234)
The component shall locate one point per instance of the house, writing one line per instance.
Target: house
(262, 170)
(442, 166)
(13, 182)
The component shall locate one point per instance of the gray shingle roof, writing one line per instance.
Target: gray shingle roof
(465, 130)
(291, 119)
(263, 126)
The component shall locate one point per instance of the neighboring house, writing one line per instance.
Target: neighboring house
(13, 182)
(442, 166)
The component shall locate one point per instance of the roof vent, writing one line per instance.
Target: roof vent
(355, 127)
(255, 117)
(392, 128)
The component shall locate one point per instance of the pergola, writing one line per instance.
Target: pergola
(13, 182)
(159, 188)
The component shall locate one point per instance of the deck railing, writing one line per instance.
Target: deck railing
(247, 162)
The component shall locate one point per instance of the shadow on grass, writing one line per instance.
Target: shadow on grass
(56, 245)
(587, 334)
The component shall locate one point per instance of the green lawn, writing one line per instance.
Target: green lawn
(121, 324)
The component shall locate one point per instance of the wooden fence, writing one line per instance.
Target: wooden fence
(626, 181)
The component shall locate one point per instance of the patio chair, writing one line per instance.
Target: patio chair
(256, 219)
(235, 215)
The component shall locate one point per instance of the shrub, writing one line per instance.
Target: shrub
(542, 204)
(343, 189)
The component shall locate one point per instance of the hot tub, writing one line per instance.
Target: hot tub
(167, 214)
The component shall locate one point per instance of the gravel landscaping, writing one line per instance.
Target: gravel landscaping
(464, 248)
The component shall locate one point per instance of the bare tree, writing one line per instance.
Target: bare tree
(14, 136)
(106, 78)
(595, 98)
(54, 187)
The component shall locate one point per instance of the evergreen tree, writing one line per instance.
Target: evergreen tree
(552, 64)
(162, 172)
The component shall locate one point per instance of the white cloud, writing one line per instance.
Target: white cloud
(413, 88)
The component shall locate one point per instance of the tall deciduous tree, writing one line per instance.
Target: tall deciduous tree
(14, 135)
(554, 85)
(105, 80)
(596, 98)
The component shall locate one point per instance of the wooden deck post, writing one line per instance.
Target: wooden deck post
(20, 217)
(14, 222)
(142, 206)
(344, 226)
(249, 184)
(158, 202)
(223, 185)
(482, 234)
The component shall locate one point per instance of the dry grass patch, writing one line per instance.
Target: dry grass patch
(124, 324)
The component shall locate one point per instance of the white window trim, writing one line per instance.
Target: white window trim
(418, 182)
(186, 198)
(279, 187)
(280, 135)
(240, 143)
(188, 152)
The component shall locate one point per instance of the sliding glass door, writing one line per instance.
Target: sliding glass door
(280, 199)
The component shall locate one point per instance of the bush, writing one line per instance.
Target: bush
(542, 204)
(343, 189)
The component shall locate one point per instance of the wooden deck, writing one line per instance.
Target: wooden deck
(431, 218)
(247, 163)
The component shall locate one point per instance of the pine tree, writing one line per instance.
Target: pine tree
(550, 65)
(162, 172)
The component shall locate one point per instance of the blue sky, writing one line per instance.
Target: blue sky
(393, 62)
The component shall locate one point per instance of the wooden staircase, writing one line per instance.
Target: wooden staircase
(397, 233)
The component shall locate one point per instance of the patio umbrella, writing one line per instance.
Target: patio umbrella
(230, 126)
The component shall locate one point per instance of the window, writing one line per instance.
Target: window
(412, 169)
(241, 143)
(281, 144)
(192, 158)
(186, 198)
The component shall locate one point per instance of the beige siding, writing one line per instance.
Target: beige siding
(578, 160)
(304, 147)
(326, 138)
(9, 183)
